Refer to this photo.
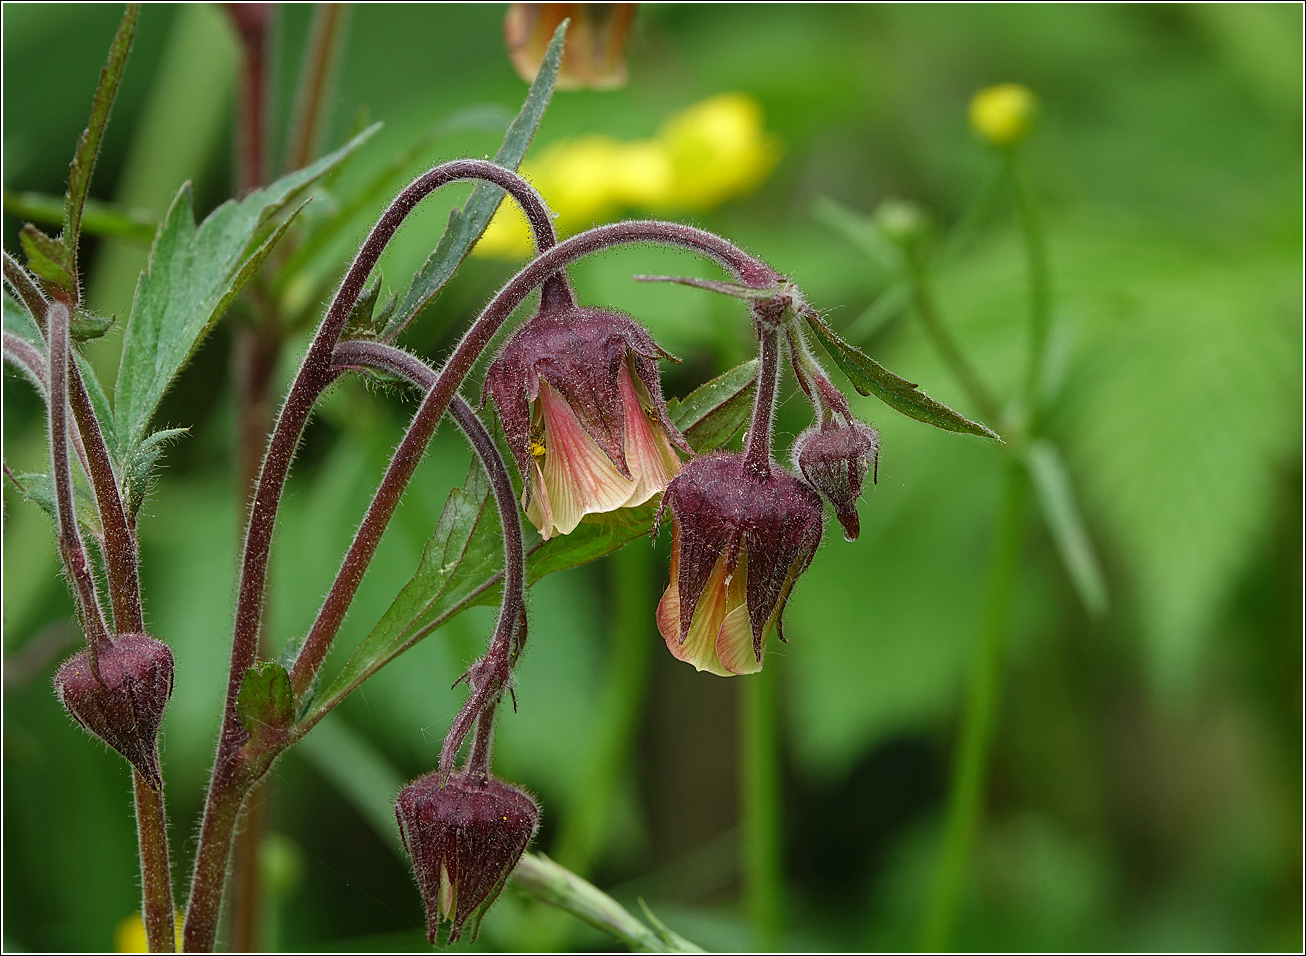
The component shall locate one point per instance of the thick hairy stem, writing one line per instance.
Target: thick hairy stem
(70, 539)
(757, 451)
(21, 281)
(227, 791)
(119, 541)
(156, 878)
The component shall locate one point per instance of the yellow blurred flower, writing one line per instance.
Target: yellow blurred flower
(1003, 114)
(129, 937)
(714, 151)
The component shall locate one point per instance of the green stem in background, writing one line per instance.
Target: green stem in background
(970, 763)
(312, 101)
(941, 337)
(1040, 285)
(581, 834)
(156, 881)
(759, 788)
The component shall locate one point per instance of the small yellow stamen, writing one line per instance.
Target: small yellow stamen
(537, 449)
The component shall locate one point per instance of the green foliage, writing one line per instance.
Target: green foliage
(50, 260)
(266, 704)
(467, 224)
(194, 275)
(1056, 498)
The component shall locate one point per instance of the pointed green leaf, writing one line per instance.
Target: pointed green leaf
(869, 377)
(139, 466)
(88, 146)
(732, 289)
(193, 275)
(1056, 499)
(49, 259)
(468, 223)
(265, 702)
(463, 562)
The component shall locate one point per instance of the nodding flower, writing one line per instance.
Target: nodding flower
(464, 835)
(739, 541)
(578, 394)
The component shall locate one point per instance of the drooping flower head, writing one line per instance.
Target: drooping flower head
(834, 457)
(578, 394)
(122, 704)
(739, 541)
(465, 836)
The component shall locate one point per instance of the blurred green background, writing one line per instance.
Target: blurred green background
(1145, 790)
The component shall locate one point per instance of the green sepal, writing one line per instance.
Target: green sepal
(50, 260)
(87, 325)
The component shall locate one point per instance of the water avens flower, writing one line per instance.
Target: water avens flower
(578, 394)
(739, 541)
(834, 458)
(121, 696)
(464, 835)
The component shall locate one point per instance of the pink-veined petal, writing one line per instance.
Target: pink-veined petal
(649, 455)
(539, 512)
(579, 477)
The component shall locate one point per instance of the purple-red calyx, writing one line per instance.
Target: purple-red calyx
(578, 394)
(465, 835)
(739, 541)
(120, 697)
(834, 458)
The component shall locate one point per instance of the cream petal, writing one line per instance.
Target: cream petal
(699, 646)
(579, 477)
(649, 455)
(448, 895)
(734, 639)
(539, 512)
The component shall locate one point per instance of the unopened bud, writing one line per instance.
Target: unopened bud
(834, 458)
(465, 836)
(901, 222)
(123, 703)
(1004, 114)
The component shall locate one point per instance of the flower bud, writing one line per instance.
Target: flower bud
(834, 458)
(1004, 114)
(578, 394)
(464, 837)
(122, 704)
(739, 542)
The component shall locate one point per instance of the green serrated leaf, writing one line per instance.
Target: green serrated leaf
(1056, 499)
(463, 562)
(360, 316)
(88, 146)
(49, 259)
(39, 489)
(193, 275)
(869, 377)
(265, 703)
(714, 412)
(138, 468)
(468, 223)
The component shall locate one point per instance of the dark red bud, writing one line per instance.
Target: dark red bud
(123, 704)
(464, 837)
(834, 458)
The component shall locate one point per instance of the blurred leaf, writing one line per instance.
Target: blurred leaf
(870, 377)
(39, 490)
(463, 561)
(265, 703)
(88, 146)
(193, 276)
(861, 231)
(18, 322)
(49, 259)
(98, 218)
(714, 412)
(1056, 498)
(467, 224)
(358, 772)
